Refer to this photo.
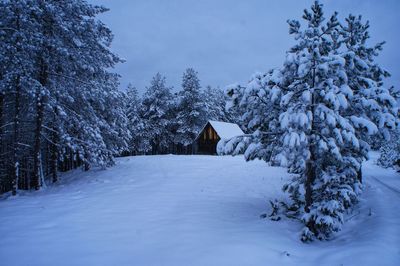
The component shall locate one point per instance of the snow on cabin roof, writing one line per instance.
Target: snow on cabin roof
(225, 130)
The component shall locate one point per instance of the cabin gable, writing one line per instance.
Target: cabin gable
(207, 140)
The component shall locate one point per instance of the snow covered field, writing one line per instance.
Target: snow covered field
(188, 210)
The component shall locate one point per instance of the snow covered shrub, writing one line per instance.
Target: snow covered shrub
(314, 115)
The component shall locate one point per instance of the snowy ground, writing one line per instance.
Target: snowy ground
(188, 210)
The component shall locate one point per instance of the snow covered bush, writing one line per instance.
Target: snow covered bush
(314, 115)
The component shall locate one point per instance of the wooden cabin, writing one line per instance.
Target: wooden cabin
(213, 131)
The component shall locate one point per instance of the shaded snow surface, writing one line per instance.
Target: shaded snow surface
(188, 210)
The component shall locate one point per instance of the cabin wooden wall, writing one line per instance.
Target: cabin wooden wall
(207, 141)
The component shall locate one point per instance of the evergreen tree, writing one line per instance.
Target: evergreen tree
(214, 102)
(156, 106)
(191, 115)
(18, 57)
(259, 103)
(65, 102)
(327, 116)
(138, 142)
(327, 99)
(366, 77)
(89, 106)
(316, 132)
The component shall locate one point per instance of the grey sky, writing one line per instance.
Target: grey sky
(226, 41)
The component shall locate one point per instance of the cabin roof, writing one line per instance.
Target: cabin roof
(224, 130)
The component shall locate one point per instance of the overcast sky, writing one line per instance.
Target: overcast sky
(226, 41)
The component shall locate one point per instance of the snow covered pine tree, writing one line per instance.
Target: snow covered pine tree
(155, 111)
(259, 105)
(191, 110)
(138, 142)
(328, 114)
(214, 100)
(366, 78)
(328, 97)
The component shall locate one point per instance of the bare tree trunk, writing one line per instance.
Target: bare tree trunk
(310, 178)
(37, 145)
(17, 111)
(86, 166)
(54, 147)
(2, 96)
(359, 174)
(39, 125)
(17, 119)
(2, 145)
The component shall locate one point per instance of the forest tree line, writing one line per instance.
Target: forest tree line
(61, 107)
(163, 121)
